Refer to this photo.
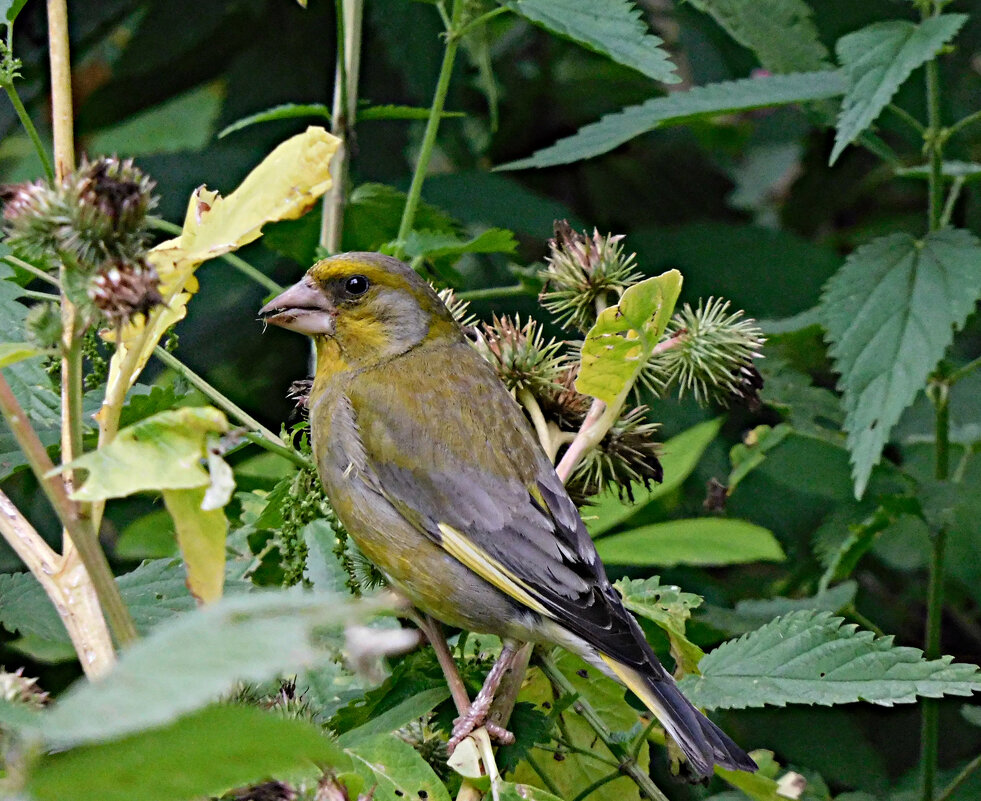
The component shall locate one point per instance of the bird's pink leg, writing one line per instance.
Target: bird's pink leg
(476, 716)
(433, 630)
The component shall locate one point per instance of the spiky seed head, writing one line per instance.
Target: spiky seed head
(122, 290)
(521, 356)
(564, 404)
(33, 219)
(16, 688)
(712, 356)
(584, 272)
(460, 309)
(627, 454)
(44, 325)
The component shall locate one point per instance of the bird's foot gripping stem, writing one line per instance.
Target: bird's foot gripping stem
(476, 716)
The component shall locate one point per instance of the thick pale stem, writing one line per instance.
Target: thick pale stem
(349, 23)
(62, 118)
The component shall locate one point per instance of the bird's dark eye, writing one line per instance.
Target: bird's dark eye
(356, 285)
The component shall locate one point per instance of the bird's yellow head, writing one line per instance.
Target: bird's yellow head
(362, 308)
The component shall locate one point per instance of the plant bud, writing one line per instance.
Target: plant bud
(122, 290)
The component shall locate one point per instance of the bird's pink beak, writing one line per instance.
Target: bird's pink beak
(302, 308)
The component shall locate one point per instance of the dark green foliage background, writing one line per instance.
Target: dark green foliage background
(673, 192)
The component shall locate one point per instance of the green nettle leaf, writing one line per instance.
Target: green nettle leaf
(679, 457)
(701, 541)
(159, 452)
(877, 60)
(752, 613)
(396, 770)
(619, 345)
(9, 9)
(523, 792)
(669, 608)
(728, 97)
(613, 28)
(188, 663)
(437, 244)
(780, 32)
(285, 111)
(890, 313)
(201, 535)
(216, 749)
(811, 658)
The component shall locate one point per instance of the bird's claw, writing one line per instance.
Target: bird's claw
(465, 725)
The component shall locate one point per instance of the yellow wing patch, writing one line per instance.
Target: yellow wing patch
(488, 568)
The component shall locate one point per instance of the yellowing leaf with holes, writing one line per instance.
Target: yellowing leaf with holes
(283, 187)
(618, 347)
(160, 452)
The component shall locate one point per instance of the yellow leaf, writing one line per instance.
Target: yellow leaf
(201, 536)
(284, 186)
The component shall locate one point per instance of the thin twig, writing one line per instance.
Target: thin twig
(959, 779)
(25, 120)
(37, 272)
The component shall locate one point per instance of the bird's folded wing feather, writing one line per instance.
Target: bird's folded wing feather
(474, 479)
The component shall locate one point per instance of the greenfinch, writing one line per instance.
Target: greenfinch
(439, 478)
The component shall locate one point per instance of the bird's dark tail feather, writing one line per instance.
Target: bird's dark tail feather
(703, 743)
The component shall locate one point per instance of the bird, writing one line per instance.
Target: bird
(440, 480)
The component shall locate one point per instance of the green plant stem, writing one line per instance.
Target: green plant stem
(908, 118)
(962, 123)
(934, 143)
(476, 22)
(959, 779)
(285, 451)
(214, 395)
(585, 793)
(78, 527)
(44, 296)
(955, 192)
(237, 262)
(25, 120)
(963, 372)
(494, 292)
(628, 765)
(37, 272)
(930, 723)
(432, 127)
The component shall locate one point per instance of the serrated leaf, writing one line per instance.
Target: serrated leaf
(201, 535)
(780, 32)
(613, 28)
(284, 111)
(396, 770)
(811, 658)
(678, 457)
(877, 60)
(890, 313)
(619, 345)
(216, 748)
(664, 604)
(186, 664)
(669, 608)
(677, 108)
(701, 541)
(438, 244)
(752, 613)
(323, 568)
(159, 452)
